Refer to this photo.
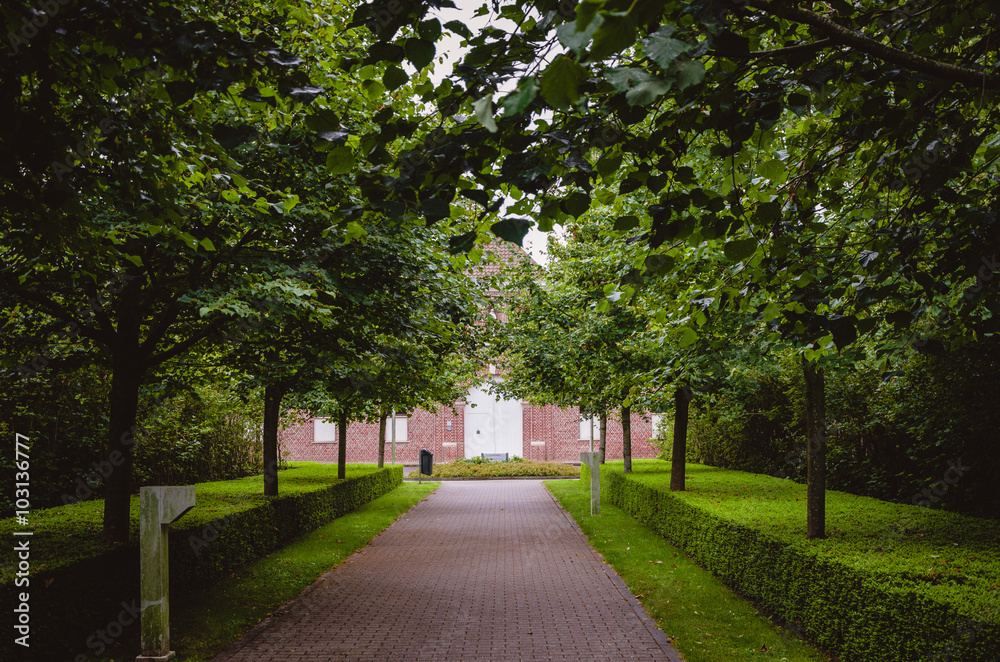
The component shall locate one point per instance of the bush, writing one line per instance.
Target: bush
(892, 583)
(78, 584)
(891, 435)
(516, 466)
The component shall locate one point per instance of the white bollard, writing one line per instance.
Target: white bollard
(593, 460)
(158, 507)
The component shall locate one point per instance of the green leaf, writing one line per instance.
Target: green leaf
(340, 160)
(606, 196)
(430, 30)
(420, 52)
(658, 263)
(798, 103)
(394, 78)
(740, 249)
(484, 113)
(616, 33)
(462, 243)
(843, 331)
(134, 259)
(688, 336)
(576, 37)
(576, 204)
(625, 223)
(207, 244)
(512, 229)
(603, 306)
(560, 82)
(663, 50)
(458, 27)
(355, 232)
(609, 163)
(771, 311)
(774, 170)
(230, 195)
(646, 92)
(372, 89)
(640, 87)
(322, 121)
(690, 73)
(585, 13)
(522, 97)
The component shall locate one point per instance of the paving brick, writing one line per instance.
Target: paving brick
(491, 570)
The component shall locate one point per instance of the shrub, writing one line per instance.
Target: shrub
(477, 467)
(892, 583)
(78, 584)
(891, 434)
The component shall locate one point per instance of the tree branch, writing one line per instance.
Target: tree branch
(794, 50)
(978, 78)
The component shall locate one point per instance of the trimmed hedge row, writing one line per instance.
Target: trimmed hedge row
(71, 605)
(861, 616)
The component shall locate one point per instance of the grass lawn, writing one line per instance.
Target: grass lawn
(205, 622)
(478, 467)
(706, 621)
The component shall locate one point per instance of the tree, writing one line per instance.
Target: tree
(196, 150)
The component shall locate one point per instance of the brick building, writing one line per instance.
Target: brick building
(478, 423)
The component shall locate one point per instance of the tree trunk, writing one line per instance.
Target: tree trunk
(272, 413)
(382, 415)
(627, 437)
(816, 458)
(125, 382)
(682, 399)
(342, 443)
(128, 370)
(604, 435)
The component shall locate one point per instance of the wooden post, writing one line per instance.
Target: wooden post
(158, 507)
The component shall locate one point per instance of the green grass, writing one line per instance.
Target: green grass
(706, 621)
(515, 467)
(947, 556)
(65, 534)
(205, 622)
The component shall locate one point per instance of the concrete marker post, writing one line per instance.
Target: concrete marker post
(592, 460)
(158, 507)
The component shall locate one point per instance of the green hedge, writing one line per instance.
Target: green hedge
(846, 592)
(74, 593)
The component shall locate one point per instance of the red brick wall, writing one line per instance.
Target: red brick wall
(555, 432)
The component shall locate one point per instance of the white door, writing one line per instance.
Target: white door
(493, 425)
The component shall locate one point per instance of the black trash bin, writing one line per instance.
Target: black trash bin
(426, 462)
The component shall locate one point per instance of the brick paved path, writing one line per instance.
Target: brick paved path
(491, 570)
